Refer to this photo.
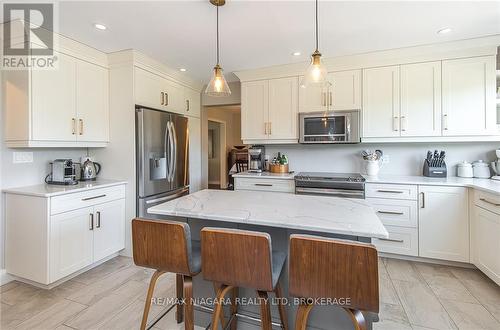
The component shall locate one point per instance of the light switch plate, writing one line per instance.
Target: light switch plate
(22, 157)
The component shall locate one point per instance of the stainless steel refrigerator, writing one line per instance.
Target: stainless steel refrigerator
(162, 158)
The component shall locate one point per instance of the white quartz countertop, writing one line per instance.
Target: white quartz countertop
(49, 190)
(265, 175)
(488, 185)
(311, 213)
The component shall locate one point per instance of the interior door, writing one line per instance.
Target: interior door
(153, 151)
(109, 230)
(179, 171)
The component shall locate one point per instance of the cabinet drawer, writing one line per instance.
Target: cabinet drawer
(265, 185)
(64, 203)
(394, 212)
(401, 241)
(487, 201)
(392, 191)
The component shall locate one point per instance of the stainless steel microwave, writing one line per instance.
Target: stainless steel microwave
(330, 127)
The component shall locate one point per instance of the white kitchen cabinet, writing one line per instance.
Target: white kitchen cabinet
(444, 223)
(254, 110)
(67, 231)
(192, 103)
(381, 104)
(64, 107)
(342, 93)
(485, 226)
(469, 96)
(401, 240)
(265, 184)
(283, 109)
(194, 126)
(421, 99)
(154, 91)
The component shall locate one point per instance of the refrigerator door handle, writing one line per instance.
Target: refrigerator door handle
(171, 155)
(174, 160)
(166, 141)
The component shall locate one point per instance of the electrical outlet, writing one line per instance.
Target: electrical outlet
(385, 159)
(22, 157)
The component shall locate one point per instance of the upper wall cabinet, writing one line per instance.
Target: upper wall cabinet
(343, 93)
(469, 96)
(64, 107)
(381, 106)
(269, 111)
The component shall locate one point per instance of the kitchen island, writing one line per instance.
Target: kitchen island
(280, 215)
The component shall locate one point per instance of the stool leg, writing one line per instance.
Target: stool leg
(265, 311)
(234, 308)
(188, 295)
(357, 318)
(218, 308)
(147, 304)
(302, 316)
(179, 288)
(281, 308)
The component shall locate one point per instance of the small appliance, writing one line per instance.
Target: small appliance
(256, 159)
(89, 169)
(62, 172)
(496, 166)
(330, 127)
(434, 165)
(347, 185)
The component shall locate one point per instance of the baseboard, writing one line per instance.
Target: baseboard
(4, 277)
(426, 260)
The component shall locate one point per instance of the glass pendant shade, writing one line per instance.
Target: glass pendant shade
(316, 72)
(218, 85)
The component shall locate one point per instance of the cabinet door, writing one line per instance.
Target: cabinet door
(486, 242)
(444, 223)
(469, 96)
(421, 99)
(173, 97)
(109, 230)
(194, 126)
(313, 98)
(148, 89)
(254, 110)
(283, 108)
(70, 243)
(381, 102)
(345, 90)
(53, 101)
(192, 101)
(92, 102)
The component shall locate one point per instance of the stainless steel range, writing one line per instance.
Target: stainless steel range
(347, 185)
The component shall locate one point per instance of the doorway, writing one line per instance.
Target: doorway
(217, 178)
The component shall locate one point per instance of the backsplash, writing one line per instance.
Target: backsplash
(404, 159)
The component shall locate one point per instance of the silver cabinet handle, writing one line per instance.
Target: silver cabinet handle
(166, 98)
(187, 105)
(423, 200)
(445, 122)
(391, 191)
(390, 212)
(98, 223)
(91, 220)
(403, 123)
(263, 184)
(270, 128)
(73, 125)
(489, 202)
(93, 197)
(162, 98)
(265, 128)
(81, 126)
(392, 240)
(395, 123)
(330, 98)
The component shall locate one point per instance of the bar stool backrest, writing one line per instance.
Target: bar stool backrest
(338, 269)
(162, 245)
(237, 257)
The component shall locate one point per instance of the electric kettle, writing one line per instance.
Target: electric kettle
(90, 170)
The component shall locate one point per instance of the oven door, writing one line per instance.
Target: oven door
(332, 192)
(336, 127)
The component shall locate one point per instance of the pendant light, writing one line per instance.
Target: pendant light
(316, 72)
(218, 86)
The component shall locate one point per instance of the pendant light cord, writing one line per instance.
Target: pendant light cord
(217, 35)
(316, 25)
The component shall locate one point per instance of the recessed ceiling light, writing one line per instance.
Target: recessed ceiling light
(182, 70)
(100, 26)
(296, 53)
(444, 31)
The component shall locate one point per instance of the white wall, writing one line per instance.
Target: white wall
(404, 159)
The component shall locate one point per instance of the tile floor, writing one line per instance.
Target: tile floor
(412, 296)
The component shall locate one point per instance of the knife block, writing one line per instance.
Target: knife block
(435, 171)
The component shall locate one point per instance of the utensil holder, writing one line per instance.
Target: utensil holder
(435, 171)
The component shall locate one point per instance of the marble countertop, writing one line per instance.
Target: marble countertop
(48, 190)
(265, 175)
(311, 213)
(487, 185)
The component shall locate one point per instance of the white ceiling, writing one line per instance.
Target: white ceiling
(262, 33)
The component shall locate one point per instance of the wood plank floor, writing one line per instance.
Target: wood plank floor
(111, 296)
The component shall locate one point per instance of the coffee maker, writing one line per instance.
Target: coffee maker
(256, 159)
(496, 166)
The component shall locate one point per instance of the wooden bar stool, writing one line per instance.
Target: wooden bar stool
(325, 268)
(166, 246)
(234, 258)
